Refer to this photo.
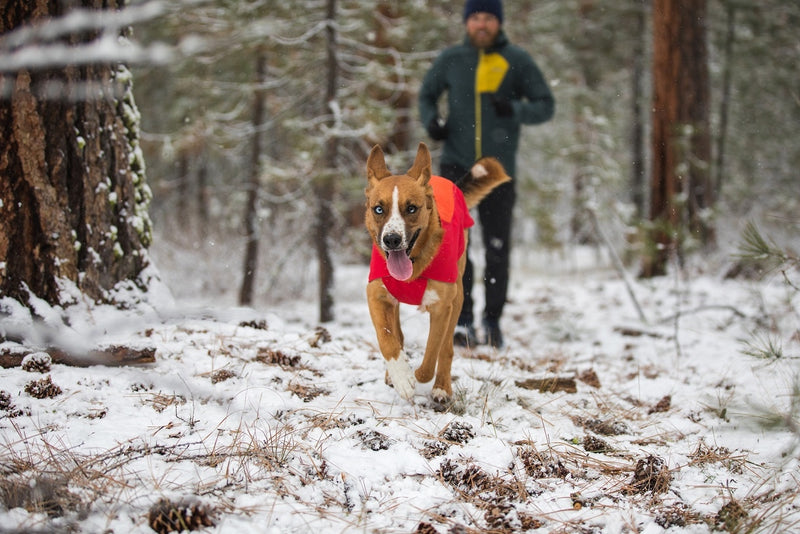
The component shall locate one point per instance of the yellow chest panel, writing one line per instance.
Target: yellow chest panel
(492, 68)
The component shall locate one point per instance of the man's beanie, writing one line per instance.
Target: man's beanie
(495, 7)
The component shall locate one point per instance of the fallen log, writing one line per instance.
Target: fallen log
(549, 385)
(113, 356)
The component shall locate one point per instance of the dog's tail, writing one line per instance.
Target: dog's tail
(485, 175)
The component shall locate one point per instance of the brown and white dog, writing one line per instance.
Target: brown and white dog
(418, 224)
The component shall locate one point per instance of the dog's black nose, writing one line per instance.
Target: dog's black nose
(392, 241)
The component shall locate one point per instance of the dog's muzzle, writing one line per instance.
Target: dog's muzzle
(392, 241)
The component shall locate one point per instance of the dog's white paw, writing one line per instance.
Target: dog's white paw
(402, 376)
(441, 401)
(439, 395)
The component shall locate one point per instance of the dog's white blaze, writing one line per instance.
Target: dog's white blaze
(402, 376)
(479, 171)
(429, 298)
(395, 224)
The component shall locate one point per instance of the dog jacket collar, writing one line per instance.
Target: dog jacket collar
(455, 218)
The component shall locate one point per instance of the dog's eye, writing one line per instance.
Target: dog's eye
(378, 210)
(411, 209)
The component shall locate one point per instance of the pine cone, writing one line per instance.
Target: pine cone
(166, 516)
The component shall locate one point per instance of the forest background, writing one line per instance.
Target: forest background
(242, 129)
(237, 128)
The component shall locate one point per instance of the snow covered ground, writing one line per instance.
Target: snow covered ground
(260, 420)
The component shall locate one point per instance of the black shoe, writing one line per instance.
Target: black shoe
(465, 336)
(494, 337)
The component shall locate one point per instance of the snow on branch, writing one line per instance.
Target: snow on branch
(41, 45)
(80, 20)
(108, 49)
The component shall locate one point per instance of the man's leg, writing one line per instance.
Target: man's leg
(465, 330)
(495, 212)
(466, 317)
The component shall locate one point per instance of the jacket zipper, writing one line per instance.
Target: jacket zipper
(478, 118)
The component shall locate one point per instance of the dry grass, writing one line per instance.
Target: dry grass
(57, 482)
(589, 452)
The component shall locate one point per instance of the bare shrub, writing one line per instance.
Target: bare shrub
(42, 493)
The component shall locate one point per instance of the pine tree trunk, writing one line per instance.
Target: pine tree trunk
(697, 115)
(637, 111)
(727, 71)
(251, 208)
(324, 190)
(581, 229)
(680, 137)
(203, 196)
(73, 197)
(184, 188)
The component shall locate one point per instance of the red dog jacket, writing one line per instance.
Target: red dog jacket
(455, 218)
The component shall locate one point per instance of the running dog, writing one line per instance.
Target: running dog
(418, 224)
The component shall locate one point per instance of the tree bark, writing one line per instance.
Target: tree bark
(253, 188)
(637, 111)
(184, 186)
(73, 196)
(203, 196)
(325, 190)
(727, 71)
(589, 79)
(680, 137)
(697, 101)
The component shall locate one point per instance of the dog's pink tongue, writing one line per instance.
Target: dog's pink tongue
(400, 266)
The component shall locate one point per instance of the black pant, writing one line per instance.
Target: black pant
(494, 214)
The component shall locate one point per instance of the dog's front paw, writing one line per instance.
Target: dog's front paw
(401, 376)
(440, 396)
(441, 401)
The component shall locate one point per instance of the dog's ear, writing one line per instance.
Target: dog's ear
(421, 169)
(376, 165)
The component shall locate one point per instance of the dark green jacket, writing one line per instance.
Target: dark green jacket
(474, 130)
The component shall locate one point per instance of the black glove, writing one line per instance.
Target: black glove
(502, 107)
(437, 129)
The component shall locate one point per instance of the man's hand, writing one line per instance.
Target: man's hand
(502, 107)
(437, 129)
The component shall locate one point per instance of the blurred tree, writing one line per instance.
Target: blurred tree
(757, 175)
(325, 183)
(581, 160)
(73, 197)
(680, 194)
(253, 187)
(638, 105)
(725, 97)
(202, 108)
(595, 116)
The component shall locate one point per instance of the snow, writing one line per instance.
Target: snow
(278, 425)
